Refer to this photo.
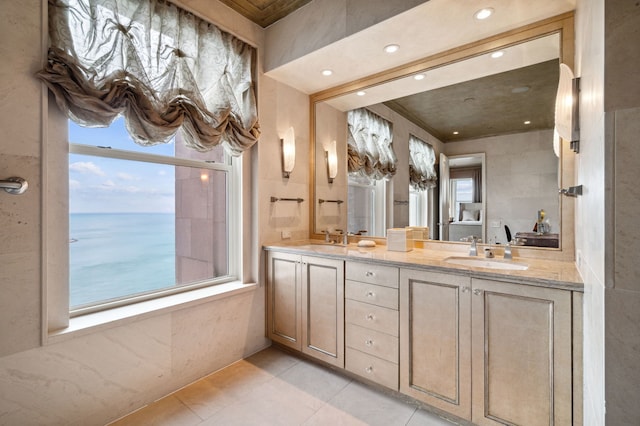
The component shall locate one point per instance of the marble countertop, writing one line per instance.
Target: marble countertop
(540, 272)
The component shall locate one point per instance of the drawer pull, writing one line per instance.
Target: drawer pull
(477, 292)
(368, 342)
(370, 294)
(370, 317)
(370, 274)
(465, 289)
(369, 369)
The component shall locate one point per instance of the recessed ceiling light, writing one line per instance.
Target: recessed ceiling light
(497, 54)
(361, 93)
(327, 72)
(527, 122)
(419, 76)
(391, 48)
(456, 133)
(483, 13)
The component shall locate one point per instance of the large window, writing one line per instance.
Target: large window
(145, 219)
(366, 205)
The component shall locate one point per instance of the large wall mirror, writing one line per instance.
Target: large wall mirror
(489, 117)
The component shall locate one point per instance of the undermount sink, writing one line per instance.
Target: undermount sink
(481, 262)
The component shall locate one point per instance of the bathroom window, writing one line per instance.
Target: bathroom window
(461, 192)
(146, 220)
(366, 204)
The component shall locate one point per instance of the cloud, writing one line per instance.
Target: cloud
(162, 173)
(86, 167)
(127, 176)
(109, 183)
(74, 184)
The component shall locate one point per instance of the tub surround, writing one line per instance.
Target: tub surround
(541, 272)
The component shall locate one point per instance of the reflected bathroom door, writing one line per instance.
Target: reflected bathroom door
(443, 225)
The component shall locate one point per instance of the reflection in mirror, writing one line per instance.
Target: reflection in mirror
(499, 108)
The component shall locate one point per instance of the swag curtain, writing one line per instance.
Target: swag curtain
(369, 145)
(422, 158)
(159, 66)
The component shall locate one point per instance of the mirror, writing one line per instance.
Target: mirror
(521, 173)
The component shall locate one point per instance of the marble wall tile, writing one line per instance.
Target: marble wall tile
(622, 341)
(627, 199)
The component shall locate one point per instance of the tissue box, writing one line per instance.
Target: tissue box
(419, 232)
(399, 239)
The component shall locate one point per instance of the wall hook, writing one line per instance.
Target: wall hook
(14, 185)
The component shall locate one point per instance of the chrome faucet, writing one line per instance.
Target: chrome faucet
(507, 251)
(473, 250)
(327, 236)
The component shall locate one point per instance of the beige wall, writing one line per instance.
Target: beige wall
(104, 374)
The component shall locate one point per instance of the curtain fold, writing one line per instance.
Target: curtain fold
(422, 159)
(161, 67)
(369, 145)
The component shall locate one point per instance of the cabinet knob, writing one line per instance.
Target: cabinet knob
(370, 274)
(369, 369)
(370, 294)
(465, 289)
(477, 292)
(368, 342)
(370, 317)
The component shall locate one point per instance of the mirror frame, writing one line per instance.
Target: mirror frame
(562, 24)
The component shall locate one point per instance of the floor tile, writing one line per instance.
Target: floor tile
(425, 418)
(168, 411)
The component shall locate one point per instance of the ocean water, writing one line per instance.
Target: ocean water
(113, 255)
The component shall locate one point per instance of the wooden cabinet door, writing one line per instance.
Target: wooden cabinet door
(284, 299)
(323, 309)
(521, 354)
(435, 340)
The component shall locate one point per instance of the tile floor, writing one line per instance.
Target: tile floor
(273, 387)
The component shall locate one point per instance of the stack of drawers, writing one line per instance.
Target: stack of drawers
(371, 315)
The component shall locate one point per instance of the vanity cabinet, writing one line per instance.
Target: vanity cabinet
(487, 351)
(372, 322)
(305, 304)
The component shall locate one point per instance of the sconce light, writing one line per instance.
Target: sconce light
(567, 107)
(288, 152)
(332, 161)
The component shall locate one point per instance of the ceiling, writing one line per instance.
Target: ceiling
(265, 12)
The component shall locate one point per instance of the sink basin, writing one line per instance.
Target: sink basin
(481, 262)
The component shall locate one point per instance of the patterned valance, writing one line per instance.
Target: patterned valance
(369, 145)
(159, 66)
(422, 158)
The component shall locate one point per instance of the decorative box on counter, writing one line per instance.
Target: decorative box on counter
(419, 232)
(399, 239)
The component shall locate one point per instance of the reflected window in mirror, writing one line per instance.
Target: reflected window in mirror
(418, 208)
(461, 192)
(422, 179)
(366, 204)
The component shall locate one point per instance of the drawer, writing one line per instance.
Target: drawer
(372, 368)
(380, 345)
(372, 316)
(371, 293)
(372, 274)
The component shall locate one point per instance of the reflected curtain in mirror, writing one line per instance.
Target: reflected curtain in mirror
(158, 65)
(369, 144)
(422, 158)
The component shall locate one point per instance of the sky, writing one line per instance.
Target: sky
(104, 185)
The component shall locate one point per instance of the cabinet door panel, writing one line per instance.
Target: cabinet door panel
(521, 354)
(323, 309)
(436, 340)
(283, 313)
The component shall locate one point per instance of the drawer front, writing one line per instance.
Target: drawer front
(371, 293)
(372, 274)
(371, 316)
(372, 368)
(380, 345)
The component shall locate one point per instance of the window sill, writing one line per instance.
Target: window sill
(91, 323)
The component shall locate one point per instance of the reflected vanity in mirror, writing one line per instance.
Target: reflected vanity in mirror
(489, 119)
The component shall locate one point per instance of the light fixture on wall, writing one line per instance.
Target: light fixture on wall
(332, 161)
(567, 107)
(288, 152)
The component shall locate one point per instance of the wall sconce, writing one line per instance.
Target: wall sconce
(288, 153)
(332, 161)
(567, 115)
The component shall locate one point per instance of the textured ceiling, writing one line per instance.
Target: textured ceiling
(488, 106)
(265, 12)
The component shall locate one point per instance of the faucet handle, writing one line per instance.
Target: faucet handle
(507, 251)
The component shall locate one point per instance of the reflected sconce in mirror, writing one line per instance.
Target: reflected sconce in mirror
(332, 161)
(288, 152)
(567, 108)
